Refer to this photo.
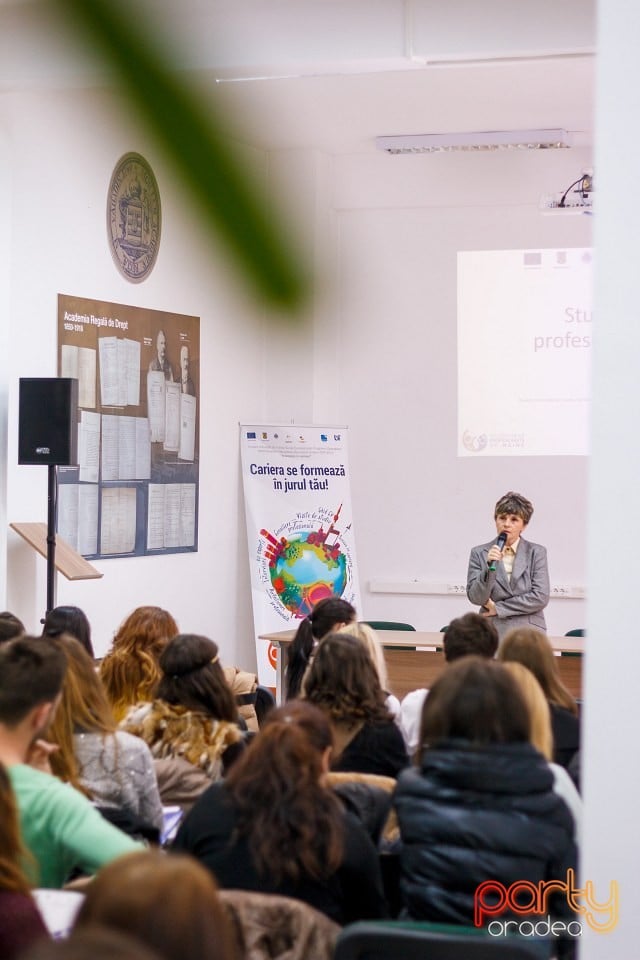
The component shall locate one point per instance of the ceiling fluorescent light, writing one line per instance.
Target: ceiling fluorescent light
(484, 140)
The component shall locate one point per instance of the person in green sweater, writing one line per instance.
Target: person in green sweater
(60, 827)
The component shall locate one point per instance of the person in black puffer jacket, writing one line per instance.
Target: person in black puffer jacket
(480, 806)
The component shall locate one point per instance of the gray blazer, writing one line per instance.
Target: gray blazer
(519, 602)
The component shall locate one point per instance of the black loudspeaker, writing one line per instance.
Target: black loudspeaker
(48, 421)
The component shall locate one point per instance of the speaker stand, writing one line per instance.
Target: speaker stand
(51, 538)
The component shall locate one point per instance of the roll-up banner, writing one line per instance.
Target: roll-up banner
(299, 526)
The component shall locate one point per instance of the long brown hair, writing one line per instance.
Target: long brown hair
(293, 823)
(344, 683)
(532, 649)
(130, 671)
(12, 853)
(169, 902)
(83, 709)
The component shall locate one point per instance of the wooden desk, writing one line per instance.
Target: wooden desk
(414, 659)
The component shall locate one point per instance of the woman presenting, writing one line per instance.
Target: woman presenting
(509, 576)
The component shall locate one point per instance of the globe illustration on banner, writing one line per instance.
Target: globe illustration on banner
(305, 567)
(306, 572)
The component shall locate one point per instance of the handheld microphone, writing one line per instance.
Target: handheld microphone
(500, 542)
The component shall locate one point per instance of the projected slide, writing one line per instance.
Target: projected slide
(524, 352)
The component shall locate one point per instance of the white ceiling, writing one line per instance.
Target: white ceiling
(334, 74)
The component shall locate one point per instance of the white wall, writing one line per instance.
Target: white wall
(417, 507)
(62, 149)
(610, 778)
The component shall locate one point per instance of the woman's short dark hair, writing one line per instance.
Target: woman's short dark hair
(344, 682)
(515, 503)
(193, 677)
(325, 616)
(477, 700)
(71, 620)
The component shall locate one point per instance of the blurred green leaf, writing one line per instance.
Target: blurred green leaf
(190, 130)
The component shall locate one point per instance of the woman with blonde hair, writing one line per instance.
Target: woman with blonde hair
(532, 649)
(113, 768)
(130, 671)
(20, 922)
(541, 737)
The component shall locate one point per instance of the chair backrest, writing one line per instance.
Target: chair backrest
(265, 702)
(271, 927)
(384, 832)
(371, 940)
(388, 625)
(578, 632)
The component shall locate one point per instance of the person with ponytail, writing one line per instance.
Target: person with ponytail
(329, 614)
(274, 826)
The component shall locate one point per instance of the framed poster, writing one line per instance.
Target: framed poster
(135, 490)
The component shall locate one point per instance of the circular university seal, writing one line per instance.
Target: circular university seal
(133, 217)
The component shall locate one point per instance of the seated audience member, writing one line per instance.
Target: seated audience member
(112, 767)
(470, 635)
(71, 620)
(532, 649)
(92, 943)
(192, 725)
(274, 826)
(480, 804)
(60, 827)
(169, 904)
(344, 683)
(329, 614)
(368, 636)
(10, 626)
(20, 922)
(130, 671)
(541, 737)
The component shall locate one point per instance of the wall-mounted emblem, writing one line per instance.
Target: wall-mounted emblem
(134, 217)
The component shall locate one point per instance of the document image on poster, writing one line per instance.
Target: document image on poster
(187, 427)
(80, 363)
(89, 446)
(299, 525)
(171, 515)
(525, 323)
(118, 520)
(172, 417)
(78, 506)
